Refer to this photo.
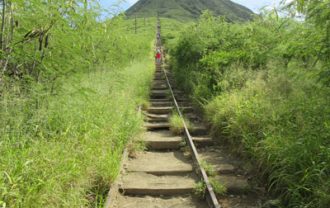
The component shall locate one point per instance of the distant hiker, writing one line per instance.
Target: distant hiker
(158, 56)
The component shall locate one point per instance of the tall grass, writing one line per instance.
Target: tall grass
(65, 150)
(283, 123)
(176, 124)
(260, 86)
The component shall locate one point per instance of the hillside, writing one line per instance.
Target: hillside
(189, 9)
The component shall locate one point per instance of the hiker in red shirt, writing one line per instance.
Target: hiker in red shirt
(158, 56)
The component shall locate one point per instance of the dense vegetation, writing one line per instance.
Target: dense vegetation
(71, 81)
(264, 86)
(69, 92)
(187, 10)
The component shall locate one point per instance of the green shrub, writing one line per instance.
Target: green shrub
(200, 189)
(209, 169)
(218, 187)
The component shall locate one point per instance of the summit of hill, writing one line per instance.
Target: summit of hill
(189, 9)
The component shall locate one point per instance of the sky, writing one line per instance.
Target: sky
(254, 5)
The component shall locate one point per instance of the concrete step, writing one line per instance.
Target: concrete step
(170, 104)
(148, 184)
(163, 87)
(159, 94)
(178, 92)
(155, 120)
(160, 163)
(162, 104)
(159, 87)
(219, 163)
(166, 110)
(198, 130)
(159, 202)
(181, 99)
(203, 141)
(159, 82)
(160, 110)
(157, 126)
(152, 100)
(160, 77)
(163, 79)
(159, 73)
(157, 117)
(162, 140)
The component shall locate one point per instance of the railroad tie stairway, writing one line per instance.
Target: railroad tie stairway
(161, 176)
(170, 171)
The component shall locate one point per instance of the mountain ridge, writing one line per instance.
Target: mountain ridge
(189, 9)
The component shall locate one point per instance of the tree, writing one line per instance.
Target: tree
(318, 13)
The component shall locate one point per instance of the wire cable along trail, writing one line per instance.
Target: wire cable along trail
(174, 171)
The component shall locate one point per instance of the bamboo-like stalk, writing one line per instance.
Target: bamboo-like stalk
(12, 22)
(3, 24)
(9, 37)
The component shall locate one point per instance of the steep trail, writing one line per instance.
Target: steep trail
(170, 171)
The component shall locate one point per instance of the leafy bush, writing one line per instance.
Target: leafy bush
(46, 41)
